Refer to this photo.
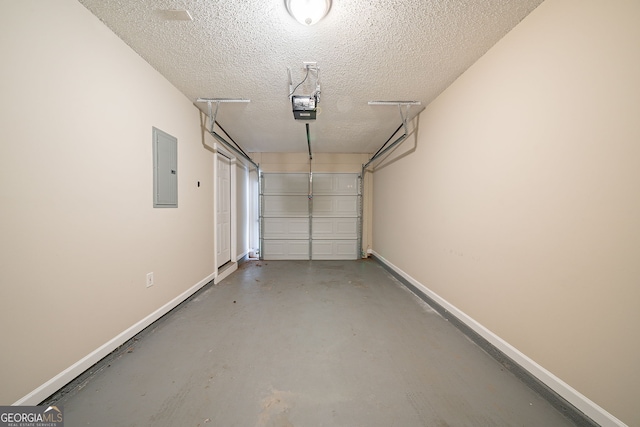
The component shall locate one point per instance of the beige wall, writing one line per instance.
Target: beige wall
(520, 205)
(79, 232)
(299, 162)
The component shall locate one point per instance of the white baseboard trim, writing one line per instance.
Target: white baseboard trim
(226, 271)
(63, 378)
(571, 395)
(239, 257)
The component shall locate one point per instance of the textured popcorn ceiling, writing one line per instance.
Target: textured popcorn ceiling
(366, 50)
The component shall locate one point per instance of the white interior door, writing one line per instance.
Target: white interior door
(223, 210)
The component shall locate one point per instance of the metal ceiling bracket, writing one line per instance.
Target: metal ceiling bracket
(309, 67)
(212, 114)
(290, 83)
(404, 115)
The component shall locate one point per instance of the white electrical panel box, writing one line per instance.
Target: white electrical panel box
(165, 170)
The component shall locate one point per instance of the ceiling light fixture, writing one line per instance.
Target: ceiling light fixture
(308, 12)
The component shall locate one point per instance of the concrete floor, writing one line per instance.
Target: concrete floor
(306, 343)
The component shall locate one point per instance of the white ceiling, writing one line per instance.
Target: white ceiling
(365, 49)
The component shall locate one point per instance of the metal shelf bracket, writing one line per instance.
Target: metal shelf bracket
(212, 114)
(404, 115)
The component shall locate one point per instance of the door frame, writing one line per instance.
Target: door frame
(230, 267)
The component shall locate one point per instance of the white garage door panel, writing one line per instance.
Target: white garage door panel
(286, 206)
(334, 249)
(335, 228)
(286, 249)
(286, 183)
(286, 228)
(344, 206)
(337, 183)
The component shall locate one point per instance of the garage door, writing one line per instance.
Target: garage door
(285, 216)
(297, 223)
